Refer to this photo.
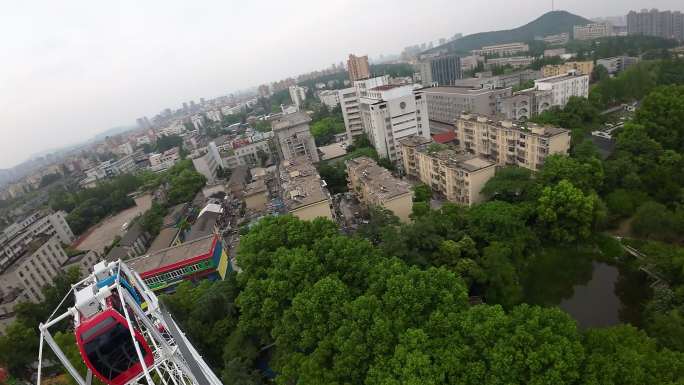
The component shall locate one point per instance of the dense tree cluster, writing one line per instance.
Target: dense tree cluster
(315, 306)
(86, 207)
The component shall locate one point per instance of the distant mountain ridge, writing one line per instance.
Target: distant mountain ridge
(550, 23)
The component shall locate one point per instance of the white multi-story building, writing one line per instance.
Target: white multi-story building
(563, 87)
(298, 96)
(390, 113)
(207, 162)
(349, 101)
(164, 161)
(214, 115)
(197, 121)
(592, 31)
(176, 128)
(329, 98)
(502, 49)
(228, 110)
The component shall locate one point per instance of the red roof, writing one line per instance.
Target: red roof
(445, 137)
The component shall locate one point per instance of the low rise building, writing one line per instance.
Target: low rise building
(506, 143)
(617, 64)
(303, 191)
(374, 185)
(165, 160)
(579, 67)
(196, 260)
(563, 87)
(256, 196)
(513, 61)
(554, 52)
(592, 31)
(558, 39)
(507, 49)
(457, 175)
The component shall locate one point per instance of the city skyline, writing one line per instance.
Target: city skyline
(70, 77)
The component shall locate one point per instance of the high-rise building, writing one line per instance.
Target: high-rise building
(592, 31)
(298, 96)
(666, 24)
(442, 70)
(374, 185)
(264, 91)
(349, 101)
(506, 143)
(458, 175)
(293, 137)
(358, 67)
(392, 112)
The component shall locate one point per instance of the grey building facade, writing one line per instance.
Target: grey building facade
(441, 70)
(293, 137)
(666, 24)
(446, 104)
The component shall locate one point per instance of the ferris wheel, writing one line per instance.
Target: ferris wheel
(124, 335)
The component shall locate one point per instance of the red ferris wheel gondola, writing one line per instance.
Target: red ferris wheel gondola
(107, 348)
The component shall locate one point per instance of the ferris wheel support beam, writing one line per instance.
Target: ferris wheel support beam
(135, 341)
(167, 349)
(45, 334)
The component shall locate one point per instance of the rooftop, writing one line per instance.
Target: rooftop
(444, 137)
(457, 90)
(163, 240)
(559, 78)
(172, 255)
(455, 158)
(414, 140)
(290, 120)
(379, 180)
(532, 128)
(132, 234)
(203, 226)
(385, 87)
(255, 187)
(302, 186)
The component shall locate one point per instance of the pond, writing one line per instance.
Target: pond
(593, 292)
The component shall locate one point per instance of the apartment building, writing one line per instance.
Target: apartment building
(443, 70)
(214, 116)
(165, 160)
(666, 24)
(208, 161)
(446, 104)
(502, 49)
(617, 64)
(35, 268)
(513, 61)
(579, 67)
(506, 143)
(563, 87)
(293, 138)
(303, 191)
(374, 185)
(15, 240)
(358, 67)
(390, 113)
(592, 31)
(458, 175)
(197, 121)
(329, 98)
(298, 96)
(349, 101)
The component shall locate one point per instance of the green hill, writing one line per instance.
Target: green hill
(550, 23)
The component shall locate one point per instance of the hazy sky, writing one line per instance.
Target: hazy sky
(71, 69)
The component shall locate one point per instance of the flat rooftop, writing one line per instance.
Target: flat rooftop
(302, 186)
(172, 255)
(457, 90)
(414, 140)
(163, 240)
(559, 78)
(290, 120)
(378, 179)
(455, 158)
(531, 129)
(203, 226)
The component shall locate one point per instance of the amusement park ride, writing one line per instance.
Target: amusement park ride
(123, 334)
